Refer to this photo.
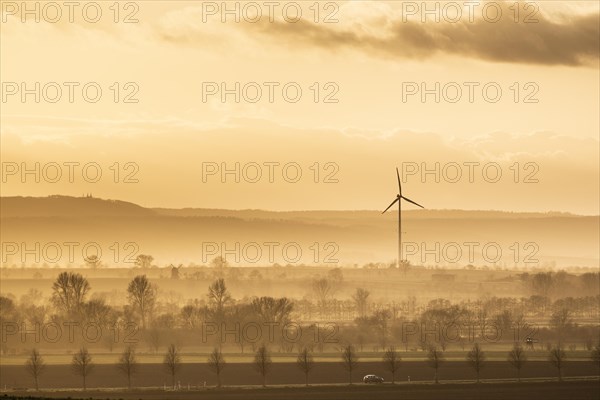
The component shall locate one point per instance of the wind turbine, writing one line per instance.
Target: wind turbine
(398, 199)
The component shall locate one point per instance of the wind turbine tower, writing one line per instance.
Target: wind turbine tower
(399, 198)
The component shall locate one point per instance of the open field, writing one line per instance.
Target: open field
(285, 373)
(572, 390)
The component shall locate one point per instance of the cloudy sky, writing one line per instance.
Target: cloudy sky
(488, 88)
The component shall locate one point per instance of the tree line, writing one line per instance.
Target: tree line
(375, 324)
(82, 362)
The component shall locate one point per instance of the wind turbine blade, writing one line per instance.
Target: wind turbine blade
(393, 202)
(410, 201)
(399, 184)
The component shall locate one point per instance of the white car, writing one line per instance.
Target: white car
(373, 379)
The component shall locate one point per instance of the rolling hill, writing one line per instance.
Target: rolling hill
(433, 237)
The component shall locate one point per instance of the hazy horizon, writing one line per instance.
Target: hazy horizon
(353, 199)
(342, 237)
(306, 209)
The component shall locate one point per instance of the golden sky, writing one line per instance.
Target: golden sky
(367, 56)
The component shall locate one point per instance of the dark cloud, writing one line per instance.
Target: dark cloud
(572, 41)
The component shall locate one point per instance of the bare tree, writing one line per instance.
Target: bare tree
(349, 360)
(216, 363)
(35, 366)
(82, 364)
(435, 358)
(476, 359)
(142, 296)
(557, 357)
(391, 361)
(379, 322)
(561, 322)
(360, 298)
(323, 289)
(305, 362)
(270, 309)
(542, 283)
(144, 261)
(69, 291)
(219, 263)
(97, 311)
(128, 364)
(262, 362)
(218, 297)
(172, 362)
(80, 288)
(517, 358)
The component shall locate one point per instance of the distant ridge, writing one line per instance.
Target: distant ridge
(352, 237)
(68, 206)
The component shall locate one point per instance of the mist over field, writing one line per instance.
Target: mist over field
(229, 318)
(444, 238)
(300, 200)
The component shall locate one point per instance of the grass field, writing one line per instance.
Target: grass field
(571, 390)
(285, 373)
